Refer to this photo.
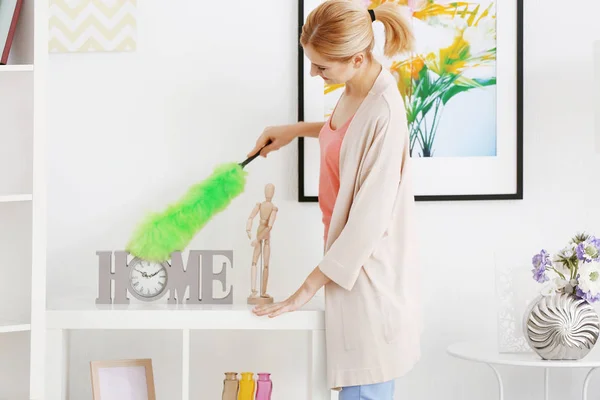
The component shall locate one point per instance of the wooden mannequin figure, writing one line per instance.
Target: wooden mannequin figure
(262, 244)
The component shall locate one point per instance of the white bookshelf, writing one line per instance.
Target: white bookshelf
(183, 321)
(34, 339)
(22, 208)
(16, 68)
(15, 198)
(14, 326)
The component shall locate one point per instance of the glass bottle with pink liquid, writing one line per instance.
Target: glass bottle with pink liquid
(264, 386)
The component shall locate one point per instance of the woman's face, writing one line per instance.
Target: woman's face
(332, 72)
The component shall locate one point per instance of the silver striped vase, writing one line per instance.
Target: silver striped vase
(561, 327)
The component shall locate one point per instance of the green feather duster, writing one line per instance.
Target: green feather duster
(160, 234)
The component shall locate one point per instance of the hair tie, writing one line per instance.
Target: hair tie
(372, 14)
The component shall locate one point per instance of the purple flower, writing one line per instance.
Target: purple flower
(595, 242)
(540, 259)
(539, 274)
(589, 250)
(540, 263)
(580, 250)
(588, 296)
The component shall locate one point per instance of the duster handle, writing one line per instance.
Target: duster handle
(249, 159)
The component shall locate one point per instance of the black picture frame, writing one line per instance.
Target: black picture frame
(517, 194)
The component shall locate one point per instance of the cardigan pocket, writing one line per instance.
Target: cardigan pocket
(350, 322)
(390, 319)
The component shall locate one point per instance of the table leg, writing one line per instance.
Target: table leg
(586, 383)
(57, 364)
(317, 388)
(500, 384)
(546, 383)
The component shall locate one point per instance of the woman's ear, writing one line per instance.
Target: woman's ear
(357, 60)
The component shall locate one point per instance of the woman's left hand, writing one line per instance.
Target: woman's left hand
(292, 303)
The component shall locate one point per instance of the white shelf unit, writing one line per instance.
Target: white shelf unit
(14, 326)
(22, 207)
(34, 345)
(16, 68)
(15, 198)
(179, 323)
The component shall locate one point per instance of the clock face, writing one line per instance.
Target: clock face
(148, 279)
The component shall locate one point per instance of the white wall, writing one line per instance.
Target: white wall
(130, 132)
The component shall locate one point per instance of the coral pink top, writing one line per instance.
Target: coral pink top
(330, 142)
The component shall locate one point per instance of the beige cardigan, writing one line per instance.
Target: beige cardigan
(373, 321)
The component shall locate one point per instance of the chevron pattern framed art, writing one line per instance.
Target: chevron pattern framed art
(92, 26)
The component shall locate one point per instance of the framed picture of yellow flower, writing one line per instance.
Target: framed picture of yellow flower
(462, 88)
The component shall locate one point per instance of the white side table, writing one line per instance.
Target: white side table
(487, 353)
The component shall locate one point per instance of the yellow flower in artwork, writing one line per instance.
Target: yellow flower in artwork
(416, 65)
(437, 10)
(405, 71)
(475, 17)
(412, 4)
(453, 59)
(426, 9)
(402, 72)
(333, 87)
(411, 67)
(376, 3)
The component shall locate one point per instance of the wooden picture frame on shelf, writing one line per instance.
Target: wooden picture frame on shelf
(9, 16)
(122, 379)
(473, 150)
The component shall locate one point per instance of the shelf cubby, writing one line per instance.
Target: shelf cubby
(16, 134)
(14, 365)
(15, 262)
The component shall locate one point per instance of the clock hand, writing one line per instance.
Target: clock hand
(150, 276)
(144, 275)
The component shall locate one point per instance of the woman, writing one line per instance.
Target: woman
(368, 271)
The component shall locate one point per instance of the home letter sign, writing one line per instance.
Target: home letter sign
(150, 281)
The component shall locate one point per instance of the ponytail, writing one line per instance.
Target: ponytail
(338, 29)
(398, 35)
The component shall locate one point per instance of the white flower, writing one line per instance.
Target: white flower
(569, 251)
(589, 278)
(436, 37)
(481, 37)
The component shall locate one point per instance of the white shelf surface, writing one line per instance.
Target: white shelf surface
(13, 326)
(88, 315)
(16, 68)
(15, 198)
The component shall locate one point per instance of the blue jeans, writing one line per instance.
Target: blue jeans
(377, 391)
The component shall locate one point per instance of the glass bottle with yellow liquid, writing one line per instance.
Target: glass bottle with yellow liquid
(247, 386)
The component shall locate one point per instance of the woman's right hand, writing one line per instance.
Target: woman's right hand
(278, 135)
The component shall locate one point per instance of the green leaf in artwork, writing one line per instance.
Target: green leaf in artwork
(456, 89)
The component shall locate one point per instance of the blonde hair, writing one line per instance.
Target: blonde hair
(338, 29)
